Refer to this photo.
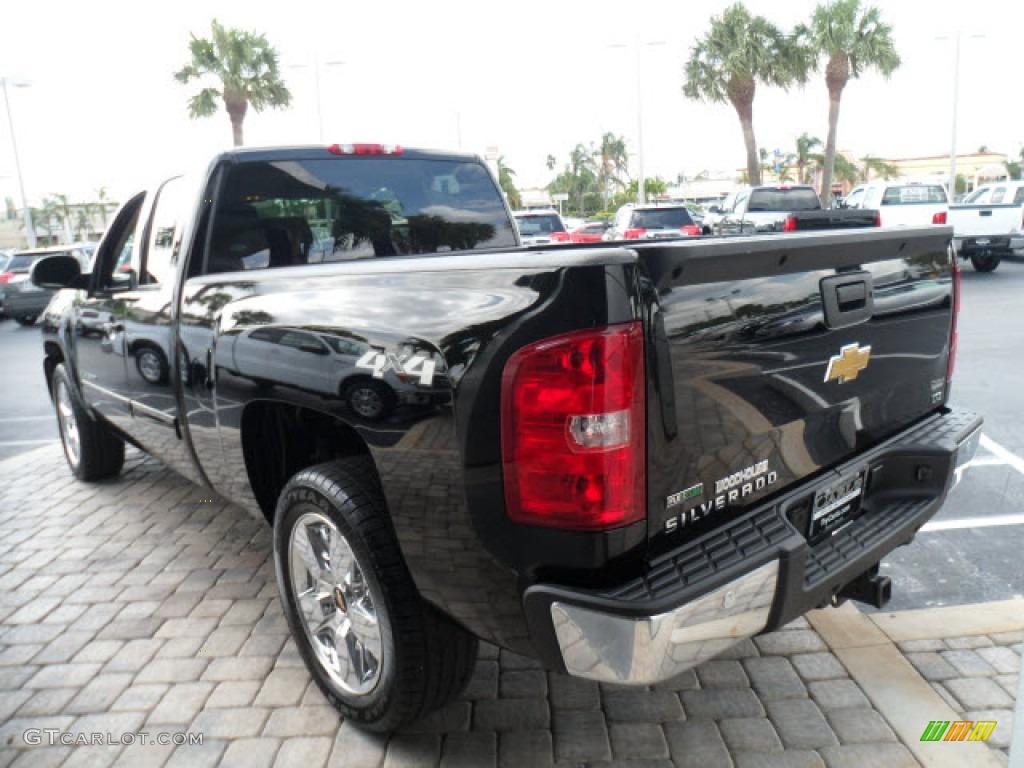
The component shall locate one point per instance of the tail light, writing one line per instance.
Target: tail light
(690, 229)
(560, 237)
(6, 278)
(634, 234)
(365, 149)
(953, 336)
(939, 218)
(789, 225)
(878, 218)
(573, 431)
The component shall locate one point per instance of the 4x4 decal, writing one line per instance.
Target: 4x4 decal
(381, 362)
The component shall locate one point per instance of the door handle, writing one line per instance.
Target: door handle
(209, 369)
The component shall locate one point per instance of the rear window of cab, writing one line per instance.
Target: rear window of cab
(912, 194)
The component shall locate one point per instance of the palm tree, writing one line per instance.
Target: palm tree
(550, 162)
(104, 202)
(581, 169)
(508, 186)
(726, 64)
(612, 163)
(804, 144)
(58, 207)
(878, 167)
(850, 40)
(246, 66)
(843, 169)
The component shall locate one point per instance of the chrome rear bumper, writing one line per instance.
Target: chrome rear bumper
(617, 649)
(754, 574)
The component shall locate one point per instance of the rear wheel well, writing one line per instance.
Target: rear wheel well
(279, 440)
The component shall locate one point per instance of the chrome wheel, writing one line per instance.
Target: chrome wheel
(68, 423)
(367, 402)
(338, 611)
(150, 366)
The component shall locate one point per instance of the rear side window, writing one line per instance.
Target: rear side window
(914, 193)
(1018, 196)
(292, 212)
(795, 199)
(661, 218)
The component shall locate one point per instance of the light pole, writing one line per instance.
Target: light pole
(30, 232)
(641, 192)
(956, 97)
(316, 85)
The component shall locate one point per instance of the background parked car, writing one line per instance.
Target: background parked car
(23, 300)
(541, 227)
(590, 232)
(902, 204)
(644, 222)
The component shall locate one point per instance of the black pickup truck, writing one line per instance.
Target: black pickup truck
(620, 458)
(784, 208)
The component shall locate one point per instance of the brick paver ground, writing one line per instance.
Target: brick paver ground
(137, 605)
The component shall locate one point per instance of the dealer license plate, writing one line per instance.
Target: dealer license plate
(835, 505)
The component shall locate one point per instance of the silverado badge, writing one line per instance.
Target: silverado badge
(851, 360)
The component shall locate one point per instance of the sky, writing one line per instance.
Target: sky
(530, 78)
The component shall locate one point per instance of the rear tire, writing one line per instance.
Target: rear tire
(381, 655)
(92, 448)
(986, 261)
(27, 320)
(369, 399)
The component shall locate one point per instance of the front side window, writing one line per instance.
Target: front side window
(164, 233)
(292, 212)
(853, 199)
(998, 194)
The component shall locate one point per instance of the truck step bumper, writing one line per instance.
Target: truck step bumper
(755, 574)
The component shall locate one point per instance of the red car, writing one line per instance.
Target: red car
(591, 232)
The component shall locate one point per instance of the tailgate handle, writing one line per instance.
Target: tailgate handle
(847, 299)
(852, 296)
(984, 213)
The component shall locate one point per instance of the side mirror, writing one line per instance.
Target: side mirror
(59, 271)
(714, 208)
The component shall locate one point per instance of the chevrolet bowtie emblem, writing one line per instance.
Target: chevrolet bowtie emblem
(851, 360)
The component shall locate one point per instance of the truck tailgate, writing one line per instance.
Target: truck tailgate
(774, 359)
(973, 220)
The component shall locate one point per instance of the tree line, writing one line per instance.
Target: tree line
(841, 40)
(76, 221)
(740, 50)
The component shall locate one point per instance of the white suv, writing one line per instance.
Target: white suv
(540, 227)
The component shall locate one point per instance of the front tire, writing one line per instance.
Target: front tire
(151, 365)
(380, 654)
(986, 261)
(92, 449)
(27, 320)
